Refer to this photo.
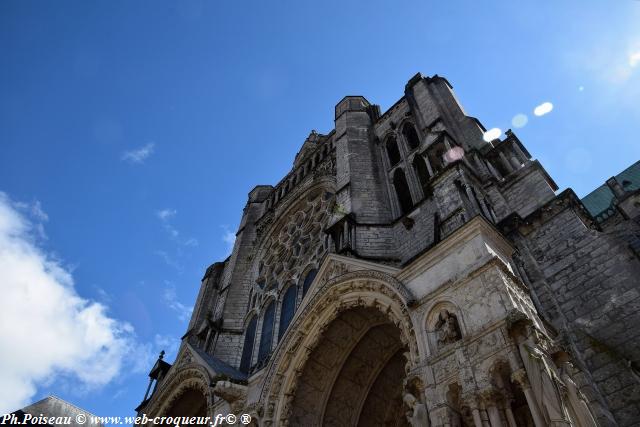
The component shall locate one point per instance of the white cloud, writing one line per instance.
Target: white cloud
(139, 155)
(169, 260)
(47, 331)
(542, 109)
(229, 238)
(171, 299)
(165, 216)
(492, 134)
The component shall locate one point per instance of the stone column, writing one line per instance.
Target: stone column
(511, 419)
(520, 153)
(493, 171)
(471, 197)
(428, 163)
(491, 398)
(472, 403)
(516, 164)
(520, 377)
(508, 166)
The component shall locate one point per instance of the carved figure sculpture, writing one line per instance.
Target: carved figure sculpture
(577, 403)
(544, 379)
(447, 328)
(417, 414)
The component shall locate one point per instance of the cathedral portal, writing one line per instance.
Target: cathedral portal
(355, 374)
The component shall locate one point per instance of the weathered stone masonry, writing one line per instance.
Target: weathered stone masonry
(407, 272)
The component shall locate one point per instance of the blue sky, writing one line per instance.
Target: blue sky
(132, 131)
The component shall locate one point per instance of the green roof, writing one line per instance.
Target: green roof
(600, 199)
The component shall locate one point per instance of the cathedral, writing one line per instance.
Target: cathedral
(406, 272)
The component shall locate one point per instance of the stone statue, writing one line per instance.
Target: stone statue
(447, 328)
(577, 403)
(417, 414)
(544, 379)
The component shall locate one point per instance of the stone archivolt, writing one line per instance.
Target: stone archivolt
(326, 304)
(189, 376)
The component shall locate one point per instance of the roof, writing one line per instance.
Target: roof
(53, 406)
(220, 367)
(600, 199)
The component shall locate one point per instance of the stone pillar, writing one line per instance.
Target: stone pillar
(516, 164)
(520, 377)
(472, 197)
(520, 153)
(491, 399)
(472, 403)
(511, 419)
(428, 163)
(505, 162)
(493, 171)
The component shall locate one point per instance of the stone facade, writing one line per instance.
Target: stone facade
(406, 272)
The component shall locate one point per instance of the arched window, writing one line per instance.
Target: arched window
(250, 306)
(410, 135)
(247, 349)
(422, 172)
(392, 151)
(307, 281)
(287, 309)
(266, 338)
(402, 191)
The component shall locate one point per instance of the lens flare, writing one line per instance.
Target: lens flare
(542, 109)
(519, 120)
(492, 134)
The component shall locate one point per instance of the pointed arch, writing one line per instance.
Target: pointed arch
(422, 172)
(402, 191)
(392, 150)
(308, 279)
(266, 335)
(410, 135)
(247, 349)
(287, 309)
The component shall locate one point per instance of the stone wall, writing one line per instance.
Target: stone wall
(592, 294)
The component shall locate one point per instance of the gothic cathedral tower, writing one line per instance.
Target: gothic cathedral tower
(407, 272)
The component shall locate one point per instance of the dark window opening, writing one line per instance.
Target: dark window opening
(266, 338)
(392, 151)
(410, 135)
(287, 310)
(308, 280)
(420, 167)
(435, 154)
(402, 191)
(247, 349)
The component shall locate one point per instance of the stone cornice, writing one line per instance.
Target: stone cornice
(563, 201)
(476, 226)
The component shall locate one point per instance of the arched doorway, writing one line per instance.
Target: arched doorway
(191, 403)
(354, 376)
